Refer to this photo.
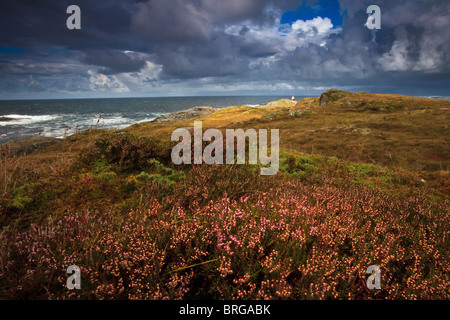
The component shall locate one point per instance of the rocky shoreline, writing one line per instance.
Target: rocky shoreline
(185, 115)
(19, 147)
(27, 145)
(24, 146)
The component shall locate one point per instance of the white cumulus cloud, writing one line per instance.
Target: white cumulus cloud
(101, 82)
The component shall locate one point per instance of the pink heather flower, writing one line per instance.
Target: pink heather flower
(313, 231)
(238, 213)
(220, 240)
(235, 240)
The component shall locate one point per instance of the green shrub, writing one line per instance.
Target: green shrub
(163, 175)
(129, 153)
(106, 176)
(23, 195)
(363, 169)
(100, 165)
(300, 167)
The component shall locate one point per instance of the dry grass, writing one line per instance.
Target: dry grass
(17, 170)
(388, 130)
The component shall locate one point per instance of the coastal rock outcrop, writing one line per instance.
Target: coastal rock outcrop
(281, 104)
(332, 96)
(186, 115)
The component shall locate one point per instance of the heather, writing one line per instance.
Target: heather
(275, 239)
(140, 227)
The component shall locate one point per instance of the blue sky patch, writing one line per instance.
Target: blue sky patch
(11, 50)
(323, 8)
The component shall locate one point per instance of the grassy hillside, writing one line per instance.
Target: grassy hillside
(364, 179)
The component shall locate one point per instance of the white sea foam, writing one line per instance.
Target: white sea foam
(18, 119)
(121, 121)
(56, 133)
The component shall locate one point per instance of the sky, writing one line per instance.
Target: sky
(140, 48)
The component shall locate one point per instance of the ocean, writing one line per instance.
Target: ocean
(59, 118)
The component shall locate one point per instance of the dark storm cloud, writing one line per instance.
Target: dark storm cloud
(181, 20)
(218, 58)
(113, 61)
(30, 24)
(128, 44)
(257, 49)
